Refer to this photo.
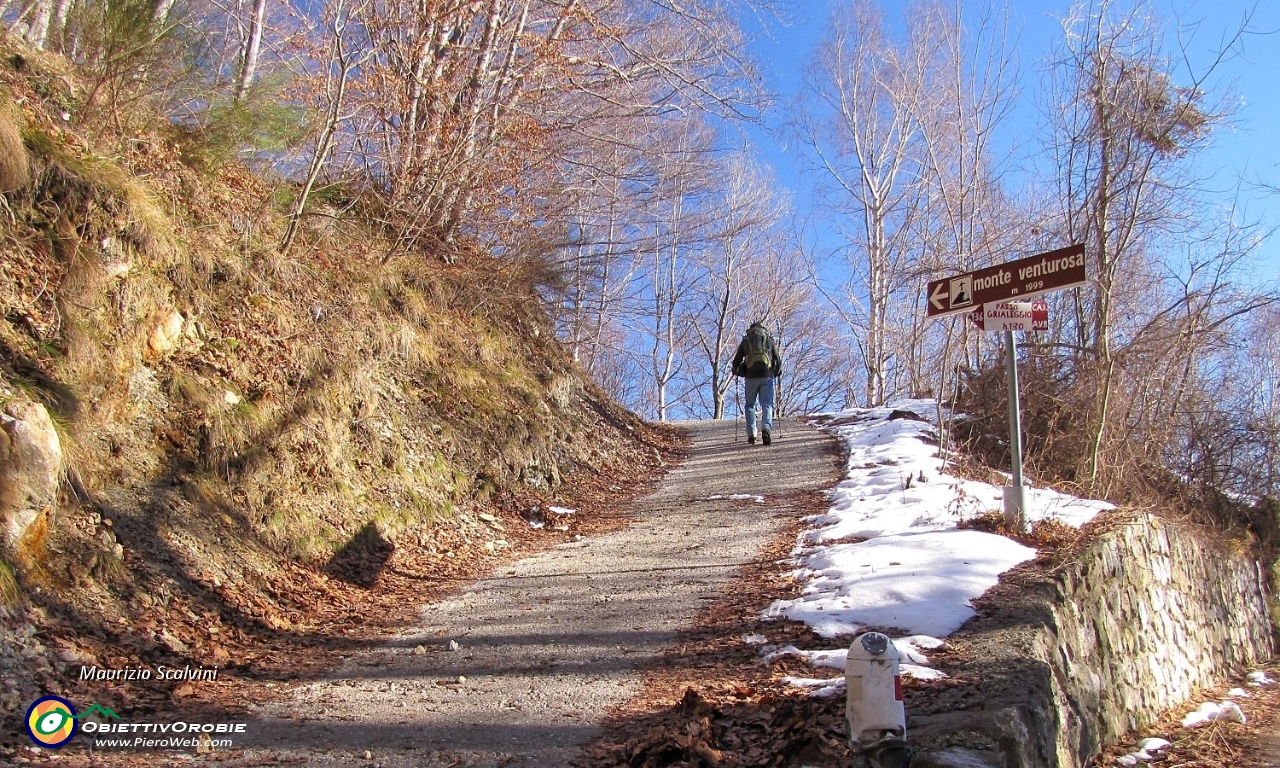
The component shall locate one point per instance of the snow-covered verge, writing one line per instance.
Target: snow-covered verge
(889, 553)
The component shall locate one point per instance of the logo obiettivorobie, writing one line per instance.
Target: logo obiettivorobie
(51, 721)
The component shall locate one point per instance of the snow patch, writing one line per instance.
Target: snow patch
(1209, 712)
(889, 553)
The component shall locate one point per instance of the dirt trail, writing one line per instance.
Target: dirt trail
(519, 668)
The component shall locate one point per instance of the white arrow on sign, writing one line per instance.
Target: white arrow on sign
(939, 292)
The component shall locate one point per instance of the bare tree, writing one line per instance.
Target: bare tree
(1257, 377)
(744, 236)
(863, 132)
(600, 270)
(469, 97)
(967, 67)
(1124, 128)
(342, 60)
(607, 183)
(680, 230)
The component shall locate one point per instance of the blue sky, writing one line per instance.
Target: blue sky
(1243, 155)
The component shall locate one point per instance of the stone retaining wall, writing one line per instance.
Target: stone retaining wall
(1130, 627)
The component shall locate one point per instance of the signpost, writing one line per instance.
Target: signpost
(1020, 280)
(1012, 316)
(996, 299)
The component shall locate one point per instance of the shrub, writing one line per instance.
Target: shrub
(259, 122)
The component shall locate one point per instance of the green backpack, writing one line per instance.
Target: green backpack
(759, 352)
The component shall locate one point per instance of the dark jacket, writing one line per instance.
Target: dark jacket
(760, 371)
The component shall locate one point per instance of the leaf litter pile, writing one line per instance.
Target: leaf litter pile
(711, 702)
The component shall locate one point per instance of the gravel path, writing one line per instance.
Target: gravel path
(519, 668)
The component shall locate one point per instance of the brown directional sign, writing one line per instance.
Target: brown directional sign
(1021, 279)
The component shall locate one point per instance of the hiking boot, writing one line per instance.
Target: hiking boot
(768, 436)
(751, 439)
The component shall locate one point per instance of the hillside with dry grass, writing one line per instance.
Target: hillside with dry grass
(253, 446)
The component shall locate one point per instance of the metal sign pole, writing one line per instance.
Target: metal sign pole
(1014, 495)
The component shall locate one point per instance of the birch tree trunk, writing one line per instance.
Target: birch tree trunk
(41, 14)
(58, 26)
(252, 47)
(163, 10)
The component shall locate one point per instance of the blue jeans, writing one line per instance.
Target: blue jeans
(763, 389)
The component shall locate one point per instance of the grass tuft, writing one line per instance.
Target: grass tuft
(9, 590)
(15, 167)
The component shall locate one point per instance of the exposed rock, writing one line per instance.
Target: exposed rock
(115, 259)
(167, 333)
(30, 472)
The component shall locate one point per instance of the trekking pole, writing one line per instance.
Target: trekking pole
(737, 415)
(777, 411)
(777, 394)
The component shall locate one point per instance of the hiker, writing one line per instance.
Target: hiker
(758, 362)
